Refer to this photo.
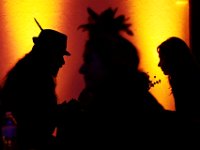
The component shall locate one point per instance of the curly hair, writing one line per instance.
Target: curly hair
(105, 23)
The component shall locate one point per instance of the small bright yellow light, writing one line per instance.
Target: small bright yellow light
(182, 2)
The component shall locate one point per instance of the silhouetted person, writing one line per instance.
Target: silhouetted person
(110, 68)
(116, 91)
(115, 96)
(182, 69)
(29, 90)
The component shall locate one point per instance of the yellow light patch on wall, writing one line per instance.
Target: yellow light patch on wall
(20, 27)
(20, 24)
(182, 2)
(154, 21)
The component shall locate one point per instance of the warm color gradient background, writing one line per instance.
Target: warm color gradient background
(152, 22)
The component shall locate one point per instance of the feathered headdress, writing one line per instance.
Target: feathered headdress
(106, 23)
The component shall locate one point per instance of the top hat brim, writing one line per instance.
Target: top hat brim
(35, 40)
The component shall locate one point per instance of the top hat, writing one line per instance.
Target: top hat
(52, 38)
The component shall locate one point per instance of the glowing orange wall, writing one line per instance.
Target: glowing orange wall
(152, 22)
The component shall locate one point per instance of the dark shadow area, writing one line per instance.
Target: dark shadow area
(29, 91)
(116, 103)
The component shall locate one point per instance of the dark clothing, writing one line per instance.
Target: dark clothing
(1, 124)
(116, 109)
(186, 91)
(29, 94)
(129, 95)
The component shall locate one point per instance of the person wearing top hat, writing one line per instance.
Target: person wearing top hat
(29, 90)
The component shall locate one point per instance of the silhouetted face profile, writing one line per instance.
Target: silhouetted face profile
(56, 62)
(92, 68)
(163, 64)
(174, 55)
(107, 54)
(52, 45)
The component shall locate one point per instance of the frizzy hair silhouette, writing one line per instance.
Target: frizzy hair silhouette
(105, 23)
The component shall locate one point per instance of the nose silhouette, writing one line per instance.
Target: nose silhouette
(63, 61)
(159, 64)
(82, 69)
